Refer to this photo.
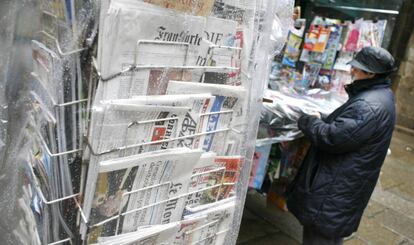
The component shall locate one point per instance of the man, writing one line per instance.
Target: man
(348, 147)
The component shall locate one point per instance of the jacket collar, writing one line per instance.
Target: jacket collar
(367, 84)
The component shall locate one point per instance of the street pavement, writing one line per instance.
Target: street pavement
(388, 219)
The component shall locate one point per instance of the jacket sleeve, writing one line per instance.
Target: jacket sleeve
(348, 132)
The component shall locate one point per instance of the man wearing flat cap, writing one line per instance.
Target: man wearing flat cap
(348, 148)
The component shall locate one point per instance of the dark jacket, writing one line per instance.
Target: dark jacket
(348, 148)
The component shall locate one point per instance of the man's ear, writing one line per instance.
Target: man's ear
(371, 75)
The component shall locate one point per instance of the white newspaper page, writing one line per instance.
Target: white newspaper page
(200, 180)
(151, 235)
(119, 186)
(117, 125)
(194, 120)
(197, 7)
(127, 24)
(219, 217)
(227, 113)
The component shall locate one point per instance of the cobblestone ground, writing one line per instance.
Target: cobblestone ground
(388, 219)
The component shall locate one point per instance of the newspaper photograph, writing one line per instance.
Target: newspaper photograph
(232, 165)
(119, 185)
(222, 173)
(200, 180)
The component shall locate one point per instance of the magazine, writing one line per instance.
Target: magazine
(258, 172)
(292, 50)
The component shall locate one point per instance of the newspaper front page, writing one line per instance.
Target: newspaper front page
(227, 113)
(116, 126)
(193, 121)
(129, 183)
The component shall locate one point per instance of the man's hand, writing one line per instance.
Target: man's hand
(315, 114)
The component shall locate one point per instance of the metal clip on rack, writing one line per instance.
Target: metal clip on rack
(55, 29)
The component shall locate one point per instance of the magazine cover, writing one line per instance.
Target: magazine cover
(332, 47)
(292, 51)
(258, 172)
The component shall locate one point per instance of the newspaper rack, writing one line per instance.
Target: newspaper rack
(55, 28)
(95, 153)
(121, 214)
(57, 107)
(55, 201)
(134, 67)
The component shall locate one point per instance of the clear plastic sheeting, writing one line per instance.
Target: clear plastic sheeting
(282, 23)
(126, 121)
(279, 118)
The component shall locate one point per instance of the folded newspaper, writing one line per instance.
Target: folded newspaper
(227, 114)
(213, 178)
(139, 190)
(217, 222)
(123, 130)
(194, 120)
(151, 37)
(151, 235)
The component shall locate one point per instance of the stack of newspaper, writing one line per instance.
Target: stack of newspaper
(207, 224)
(167, 125)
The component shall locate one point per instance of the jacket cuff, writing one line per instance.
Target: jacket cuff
(304, 121)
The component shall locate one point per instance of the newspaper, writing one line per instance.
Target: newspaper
(200, 180)
(127, 22)
(198, 7)
(183, 236)
(118, 188)
(223, 56)
(232, 165)
(152, 38)
(219, 217)
(227, 113)
(116, 126)
(223, 172)
(151, 235)
(194, 120)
